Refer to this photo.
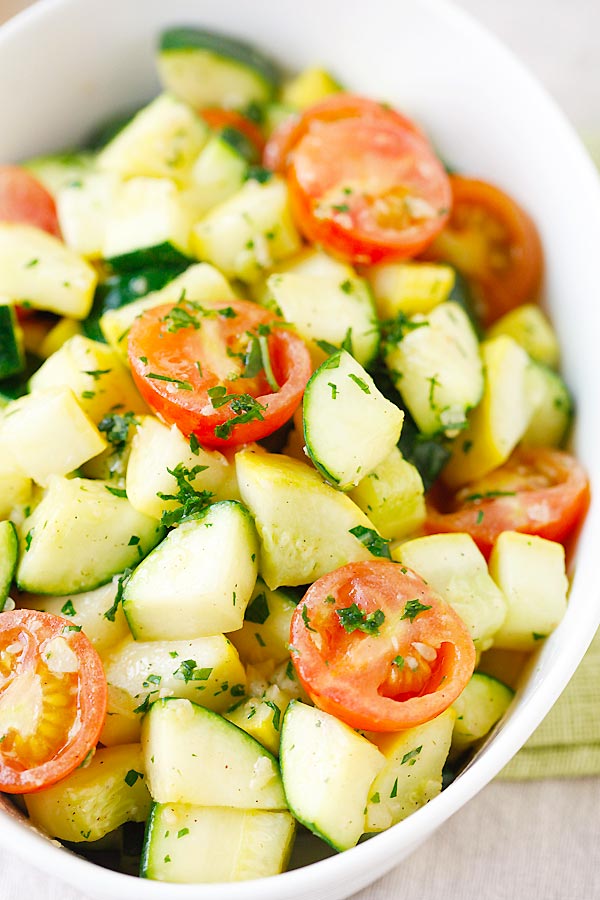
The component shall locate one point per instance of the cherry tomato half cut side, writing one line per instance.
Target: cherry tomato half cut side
(494, 243)
(376, 647)
(202, 368)
(537, 491)
(24, 199)
(53, 697)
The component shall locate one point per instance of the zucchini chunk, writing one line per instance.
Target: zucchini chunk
(327, 770)
(349, 426)
(482, 703)
(530, 571)
(94, 800)
(79, 536)
(185, 844)
(304, 525)
(436, 367)
(36, 267)
(83, 206)
(194, 755)
(453, 566)
(552, 406)
(58, 170)
(205, 68)
(392, 496)
(412, 775)
(147, 213)
(206, 567)
(218, 174)
(9, 552)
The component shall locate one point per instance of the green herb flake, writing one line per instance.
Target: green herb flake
(116, 428)
(111, 613)
(398, 661)
(67, 628)
(353, 618)
(182, 385)
(194, 444)
(258, 610)
(259, 639)
(85, 834)
(375, 544)
(346, 286)
(394, 792)
(28, 540)
(133, 540)
(237, 690)
(88, 395)
(167, 858)
(152, 679)
(276, 713)
(376, 798)
(188, 671)
(132, 776)
(538, 637)
(479, 518)
(340, 207)
(329, 599)
(334, 390)
(411, 756)
(306, 619)
(487, 495)
(362, 384)
(244, 407)
(182, 832)
(68, 609)
(96, 373)
(258, 173)
(32, 263)
(191, 502)
(116, 492)
(413, 608)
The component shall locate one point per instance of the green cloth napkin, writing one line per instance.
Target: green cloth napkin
(567, 743)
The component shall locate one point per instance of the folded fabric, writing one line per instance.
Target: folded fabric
(567, 743)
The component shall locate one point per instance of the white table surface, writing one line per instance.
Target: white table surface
(515, 841)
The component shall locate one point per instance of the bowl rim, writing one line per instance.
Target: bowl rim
(49, 855)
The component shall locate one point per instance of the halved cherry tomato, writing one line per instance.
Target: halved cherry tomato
(24, 199)
(494, 243)
(376, 647)
(218, 118)
(53, 698)
(205, 368)
(537, 491)
(363, 181)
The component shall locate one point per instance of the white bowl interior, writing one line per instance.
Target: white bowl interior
(65, 66)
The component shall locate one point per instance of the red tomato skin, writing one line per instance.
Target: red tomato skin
(551, 512)
(92, 702)
(193, 412)
(348, 688)
(24, 199)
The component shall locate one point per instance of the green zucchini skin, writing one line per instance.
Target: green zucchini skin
(160, 256)
(190, 38)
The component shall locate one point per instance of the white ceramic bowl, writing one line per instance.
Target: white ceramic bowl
(65, 65)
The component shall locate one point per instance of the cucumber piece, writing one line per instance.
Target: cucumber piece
(161, 141)
(9, 552)
(412, 775)
(184, 844)
(147, 214)
(482, 703)
(392, 496)
(95, 374)
(155, 450)
(530, 571)
(50, 434)
(499, 422)
(87, 610)
(61, 169)
(303, 524)
(201, 283)
(261, 717)
(218, 174)
(37, 267)
(205, 68)
(349, 426)
(456, 569)
(250, 232)
(79, 536)
(530, 328)
(309, 87)
(265, 634)
(410, 287)
(327, 308)
(332, 805)
(83, 208)
(229, 769)
(12, 353)
(437, 368)
(94, 800)
(552, 406)
(206, 567)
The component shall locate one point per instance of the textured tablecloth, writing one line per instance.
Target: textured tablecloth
(520, 840)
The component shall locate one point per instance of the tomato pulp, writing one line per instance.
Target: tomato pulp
(53, 698)
(376, 647)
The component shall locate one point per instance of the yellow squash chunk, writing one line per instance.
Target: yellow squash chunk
(392, 496)
(409, 287)
(530, 328)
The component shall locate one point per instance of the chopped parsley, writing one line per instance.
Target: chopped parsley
(133, 540)
(194, 444)
(352, 618)
(538, 637)
(376, 798)
(362, 384)
(116, 492)
(413, 608)
(340, 207)
(182, 385)
(111, 613)
(68, 609)
(188, 671)
(394, 330)
(259, 639)
(244, 407)
(28, 539)
(276, 713)
(31, 264)
(346, 286)
(258, 173)
(116, 428)
(182, 832)
(411, 756)
(394, 791)
(88, 395)
(333, 389)
(96, 373)
(258, 610)
(479, 518)
(191, 501)
(132, 776)
(487, 495)
(68, 628)
(306, 620)
(152, 679)
(398, 661)
(375, 544)
(180, 317)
